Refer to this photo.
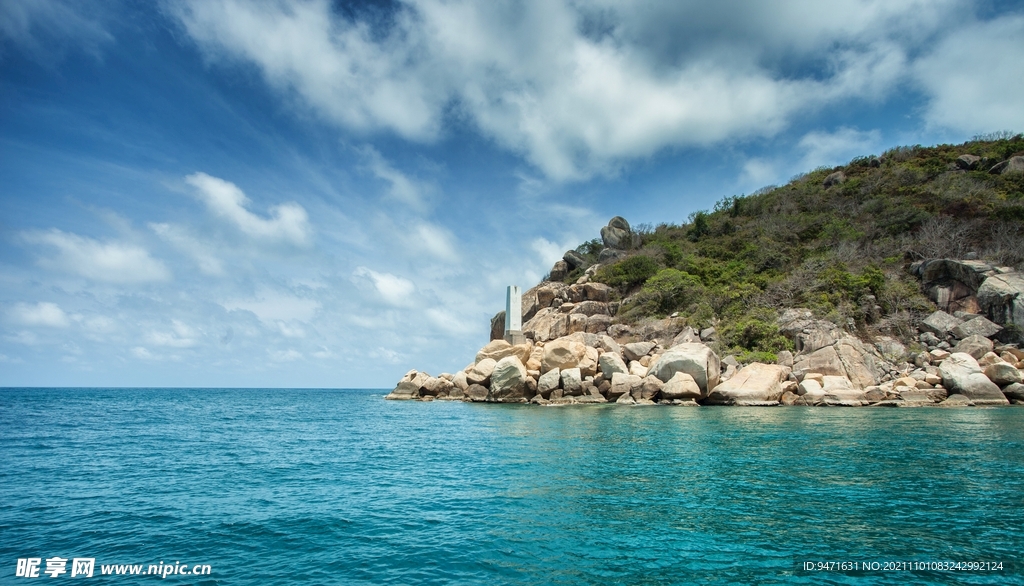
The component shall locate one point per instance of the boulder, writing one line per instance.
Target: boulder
(623, 384)
(696, 360)
(548, 324)
(1001, 298)
(685, 337)
(848, 357)
(508, 381)
(962, 375)
(1012, 165)
(495, 350)
(597, 324)
(637, 368)
(558, 272)
(460, 381)
(589, 308)
(610, 363)
(406, 390)
(1014, 392)
(561, 354)
(809, 386)
(978, 326)
(477, 393)
(617, 235)
(572, 382)
(939, 323)
(755, 383)
(836, 178)
(588, 366)
(574, 259)
(968, 162)
(976, 346)
(597, 292)
(840, 390)
(1002, 374)
(651, 388)
(548, 382)
(956, 401)
(681, 386)
(498, 326)
(608, 344)
(536, 355)
(636, 350)
(480, 374)
(952, 283)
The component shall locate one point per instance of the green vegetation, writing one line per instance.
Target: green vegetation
(841, 251)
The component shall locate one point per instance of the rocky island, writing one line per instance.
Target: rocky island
(892, 281)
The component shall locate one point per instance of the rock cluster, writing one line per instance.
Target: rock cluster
(966, 353)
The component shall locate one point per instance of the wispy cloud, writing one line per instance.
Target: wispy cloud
(39, 314)
(288, 222)
(113, 262)
(402, 189)
(201, 253)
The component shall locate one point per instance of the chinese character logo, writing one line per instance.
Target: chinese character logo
(82, 567)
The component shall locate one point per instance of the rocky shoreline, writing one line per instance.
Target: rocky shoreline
(963, 354)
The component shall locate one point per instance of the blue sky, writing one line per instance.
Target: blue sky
(308, 193)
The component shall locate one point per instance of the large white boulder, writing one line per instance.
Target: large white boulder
(696, 360)
(508, 381)
(681, 386)
(755, 383)
(562, 354)
(610, 363)
(962, 375)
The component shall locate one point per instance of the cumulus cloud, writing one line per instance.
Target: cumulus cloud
(392, 289)
(112, 262)
(975, 78)
(288, 222)
(581, 88)
(43, 313)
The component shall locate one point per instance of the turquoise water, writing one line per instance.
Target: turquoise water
(342, 487)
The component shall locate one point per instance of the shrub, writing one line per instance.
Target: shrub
(628, 273)
(673, 289)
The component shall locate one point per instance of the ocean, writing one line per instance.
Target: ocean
(282, 486)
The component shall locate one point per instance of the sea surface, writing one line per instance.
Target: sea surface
(283, 486)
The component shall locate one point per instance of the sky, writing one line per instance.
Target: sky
(218, 193)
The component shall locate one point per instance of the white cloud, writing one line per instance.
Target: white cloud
(403, 189)
(113, 262)
(975, 78)
(288, 222)
(580, 88)
(142, 353)
(40, 314)
(434, 240)
(272, 307)
(392, 289)
(181, 335)
(835, 148)
(183, 241)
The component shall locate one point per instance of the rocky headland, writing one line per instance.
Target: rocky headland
(665, 317)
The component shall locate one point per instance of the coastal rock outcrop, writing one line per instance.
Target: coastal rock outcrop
(962, 375)
(754, 384)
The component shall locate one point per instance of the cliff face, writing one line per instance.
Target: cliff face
(838, 288)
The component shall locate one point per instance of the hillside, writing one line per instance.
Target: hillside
(838, 241)
(867, 273)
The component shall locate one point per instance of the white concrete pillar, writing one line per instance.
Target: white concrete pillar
(514, 315)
